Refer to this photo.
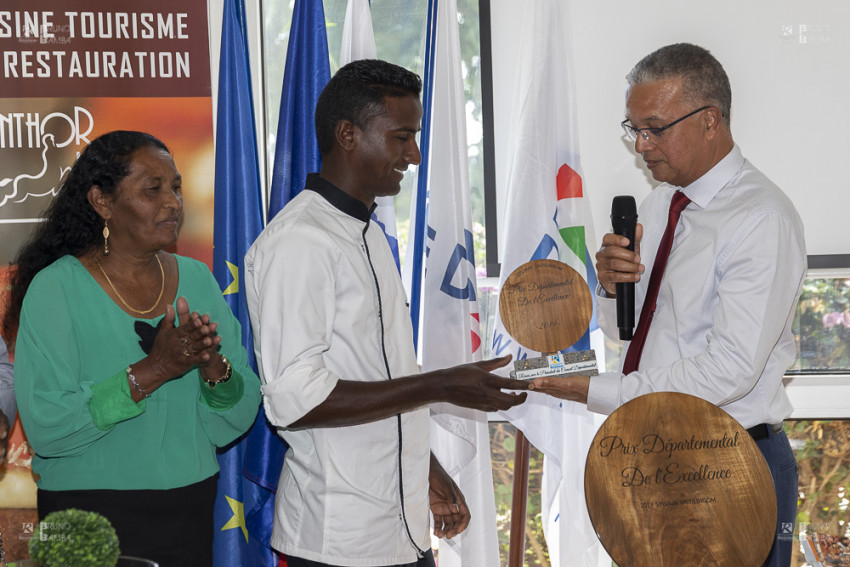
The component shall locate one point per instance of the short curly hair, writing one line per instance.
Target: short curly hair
(356, 93)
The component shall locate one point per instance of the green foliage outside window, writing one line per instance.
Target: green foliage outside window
(824, 465)
(822, 326)
(502, 446)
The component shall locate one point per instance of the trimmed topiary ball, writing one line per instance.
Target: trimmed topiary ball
(75, 538)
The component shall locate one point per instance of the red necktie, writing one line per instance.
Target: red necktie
(677, 205)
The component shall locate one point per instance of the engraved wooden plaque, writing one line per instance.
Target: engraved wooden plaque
(545, 305)
(673, 480)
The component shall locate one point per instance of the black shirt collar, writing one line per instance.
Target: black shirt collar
(339, 198)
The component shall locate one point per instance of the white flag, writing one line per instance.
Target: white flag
(358, 37)
(547, 217)
(358, 42)
(450, 327)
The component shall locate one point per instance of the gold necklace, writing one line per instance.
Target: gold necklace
(140, 312)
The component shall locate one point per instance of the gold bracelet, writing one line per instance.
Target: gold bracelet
(227, 374)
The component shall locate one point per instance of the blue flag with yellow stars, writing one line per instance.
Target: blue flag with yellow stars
(243, 509)
(307, 72)
(297, 153)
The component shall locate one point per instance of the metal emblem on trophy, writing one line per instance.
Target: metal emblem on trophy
(546, 306)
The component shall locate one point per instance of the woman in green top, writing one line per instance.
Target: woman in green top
(129, 364)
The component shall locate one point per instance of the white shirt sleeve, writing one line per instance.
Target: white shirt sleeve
(292, 271)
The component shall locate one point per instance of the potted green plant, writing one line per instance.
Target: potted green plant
(74, 538)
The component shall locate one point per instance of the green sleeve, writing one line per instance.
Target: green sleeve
(223, 396)
(54, 385)
(111, 402)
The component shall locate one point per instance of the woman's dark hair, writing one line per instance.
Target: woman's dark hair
(71, 225)
(356, 93)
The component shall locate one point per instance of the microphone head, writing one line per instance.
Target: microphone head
(623, 207)
(624, 217)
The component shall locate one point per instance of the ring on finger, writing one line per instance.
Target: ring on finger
(184, 341)
(186, 353)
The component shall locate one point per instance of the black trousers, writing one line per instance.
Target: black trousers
(172, 527)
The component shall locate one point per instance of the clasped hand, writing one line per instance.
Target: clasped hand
(176, 350)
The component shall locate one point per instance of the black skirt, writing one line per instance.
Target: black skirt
(172, 527)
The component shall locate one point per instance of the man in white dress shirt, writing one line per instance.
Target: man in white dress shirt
(722, 326)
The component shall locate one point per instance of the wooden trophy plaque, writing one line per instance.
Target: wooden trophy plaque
(546, 306)
(673, 480)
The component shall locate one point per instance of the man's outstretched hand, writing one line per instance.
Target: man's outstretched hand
(474, 386)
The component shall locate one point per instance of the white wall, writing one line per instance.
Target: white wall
(789, 87)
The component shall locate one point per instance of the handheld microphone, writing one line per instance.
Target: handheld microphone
(624, 221)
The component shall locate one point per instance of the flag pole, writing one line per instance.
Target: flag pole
(422, 180)
(519, 503)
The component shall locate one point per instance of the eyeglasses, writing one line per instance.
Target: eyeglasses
(654, 133)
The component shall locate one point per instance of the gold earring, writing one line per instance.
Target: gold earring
(106, 238)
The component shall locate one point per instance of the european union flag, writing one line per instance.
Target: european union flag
(240, 504)
(307, 72)
(297, 153)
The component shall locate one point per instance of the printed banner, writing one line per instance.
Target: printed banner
(69, 75)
